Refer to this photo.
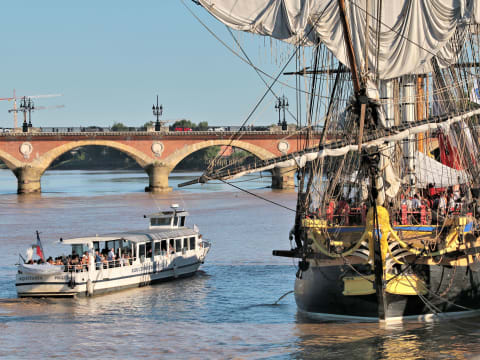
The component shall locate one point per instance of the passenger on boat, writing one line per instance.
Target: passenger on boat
(451, 203)
(50, 261)
(416, 202)
(98, 260)
(342, 211)
(111, 258)
(111, 255)
(74, 260)
(442, 203)
(85, 260)
(75, 263)
(125, 261)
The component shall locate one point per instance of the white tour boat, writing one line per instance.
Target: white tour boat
(110, 262)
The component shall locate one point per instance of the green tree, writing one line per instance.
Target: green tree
(147, 124)
(184, 123)
(118, 126)
(211, 152)
(202, 126)
(240, 154)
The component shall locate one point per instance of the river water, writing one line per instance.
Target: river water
(226, 311)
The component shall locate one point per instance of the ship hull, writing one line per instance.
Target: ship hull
(450, 290)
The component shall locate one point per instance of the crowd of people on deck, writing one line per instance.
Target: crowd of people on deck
(108, 258)
(426, 206)
(75, 262)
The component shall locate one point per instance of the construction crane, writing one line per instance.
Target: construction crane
(15, 98)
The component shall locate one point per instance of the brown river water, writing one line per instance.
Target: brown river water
(226, 311)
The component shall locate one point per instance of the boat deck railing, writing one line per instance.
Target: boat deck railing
(100, 265)
(356, 216)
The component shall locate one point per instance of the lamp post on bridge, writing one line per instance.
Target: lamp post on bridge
(157, 111)
(281, 104)
(26, 105)
(29, 107)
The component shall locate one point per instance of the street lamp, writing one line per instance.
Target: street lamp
(30, 108)
(157, 111)
(26, 105)
(281, 104)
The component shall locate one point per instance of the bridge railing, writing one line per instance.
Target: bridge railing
(138, 131)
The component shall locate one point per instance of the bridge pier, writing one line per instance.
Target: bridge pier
(158, 178)
(283, 178)
(28, 179)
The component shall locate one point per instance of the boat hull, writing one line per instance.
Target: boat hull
(104, 280)
(321, 290)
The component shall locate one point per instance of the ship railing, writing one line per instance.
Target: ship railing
(116, 263)
(98, 266)
(76, 268)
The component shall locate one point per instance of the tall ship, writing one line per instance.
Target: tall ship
(386, 224)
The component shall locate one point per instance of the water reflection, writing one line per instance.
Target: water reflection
(410, 340)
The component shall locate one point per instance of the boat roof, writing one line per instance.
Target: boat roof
(167, 213)
(134, 236)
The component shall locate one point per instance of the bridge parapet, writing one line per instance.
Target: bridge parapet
(155, 134)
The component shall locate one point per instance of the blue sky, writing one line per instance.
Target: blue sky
(109, 59)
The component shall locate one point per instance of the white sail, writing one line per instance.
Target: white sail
(430, 171)
(412, 32)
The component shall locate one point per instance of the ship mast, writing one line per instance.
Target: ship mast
(371, 158)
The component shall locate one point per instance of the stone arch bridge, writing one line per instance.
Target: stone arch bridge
(28, 155)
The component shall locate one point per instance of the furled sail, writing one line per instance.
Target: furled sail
(411, 32)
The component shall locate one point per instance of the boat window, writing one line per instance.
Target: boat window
(148, 249)
(141, 251)
(171, 246)
(160, 221)
(78, 249)
(126, 248)
(157, 248)
(164, 245)
(192, 243)
(175, 221)
(178, 245)
(182, 221)
(185, 243)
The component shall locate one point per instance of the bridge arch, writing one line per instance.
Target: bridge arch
(29, 175)
(158, 172)
(46, 159)
(182, 153)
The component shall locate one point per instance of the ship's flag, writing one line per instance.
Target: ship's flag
(39, 248)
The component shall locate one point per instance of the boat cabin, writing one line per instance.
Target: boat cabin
(167, 219)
